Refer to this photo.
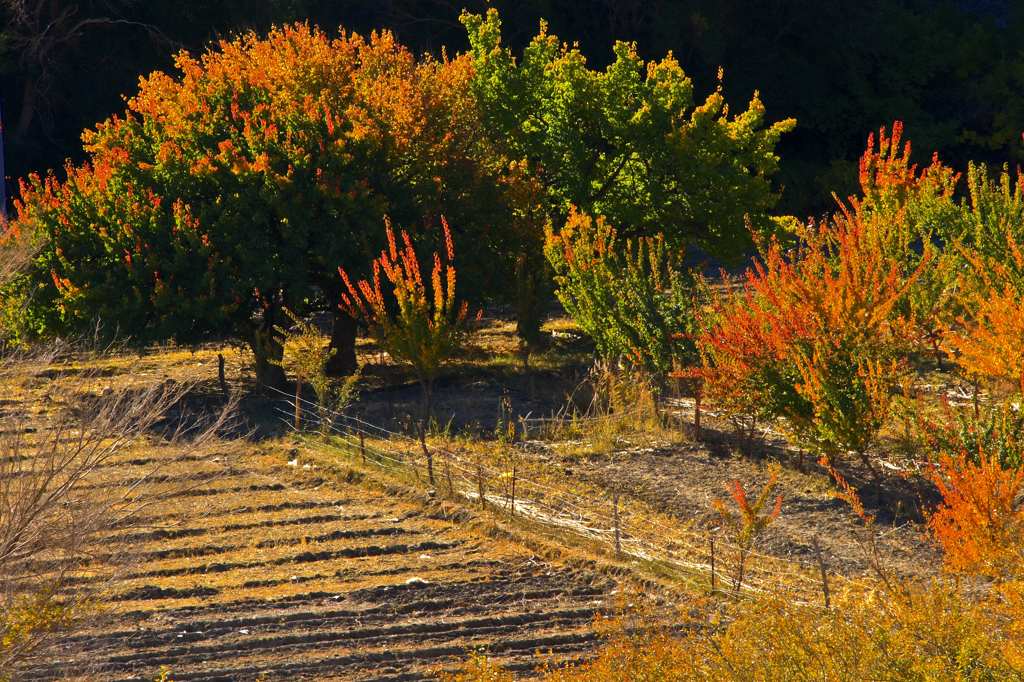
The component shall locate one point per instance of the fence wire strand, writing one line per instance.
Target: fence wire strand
(649, 539)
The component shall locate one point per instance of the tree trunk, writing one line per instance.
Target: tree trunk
(267, 351)
(529, 276)
(28, 110)
(343, 341)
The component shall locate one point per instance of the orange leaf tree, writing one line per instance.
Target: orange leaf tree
(990, 343)
(815, 336)
(749, 520)
(235, 189)
(987, 337)
(914, 207)
(423, 327)
(980, 521)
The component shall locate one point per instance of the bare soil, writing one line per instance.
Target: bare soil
(682, 477)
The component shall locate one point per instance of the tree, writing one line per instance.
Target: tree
(225, 194)
(871, 61)
(423, 329)
(629, 143)
(914, 215)
(986, 335)
(980, 522)
(816, 336)
(306, 356)
(987, 338)
(631, 296)
(994, 209)
(748, 522)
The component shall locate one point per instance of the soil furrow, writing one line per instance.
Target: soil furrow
(395, 635)
(301, 558)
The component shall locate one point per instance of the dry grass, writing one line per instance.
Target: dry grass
(928, 632)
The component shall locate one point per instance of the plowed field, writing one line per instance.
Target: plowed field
(246, 566)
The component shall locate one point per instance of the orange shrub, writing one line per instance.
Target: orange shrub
(816, 336)
(991, 345)
(921, 632)
(419, 327)
(414, 326)
(988, 340)
(987, 335)
(980, 522)
(916, 207)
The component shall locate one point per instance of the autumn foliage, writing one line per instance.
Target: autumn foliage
(815, 335)
(987, 338)
(922, 633)
(228, 195)
(748, 519)
(235, 189)
(751, 518)
(980, 522)
(991, 346)
(891, 184)
(415, 324)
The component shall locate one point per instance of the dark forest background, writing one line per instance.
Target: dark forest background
(952, 70)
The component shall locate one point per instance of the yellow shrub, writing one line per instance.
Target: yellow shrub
(919, 632)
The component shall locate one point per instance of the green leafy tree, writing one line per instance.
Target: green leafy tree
(629, 295)
(995, 212)
(305, 355)
(630, 143)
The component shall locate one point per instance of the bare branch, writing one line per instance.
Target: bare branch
(67, 494)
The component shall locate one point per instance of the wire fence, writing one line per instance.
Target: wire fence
(618, 525)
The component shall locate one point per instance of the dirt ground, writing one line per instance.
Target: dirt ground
(289, 578)
(683, 480)
(248, 564)
(679, 476)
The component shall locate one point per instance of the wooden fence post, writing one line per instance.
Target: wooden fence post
(618, 529)
(713, 586)
(824, 573)
(221, 378)
(448, 475)
(362, 445)
(480, 485)
(698, 395)
(512, 501)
